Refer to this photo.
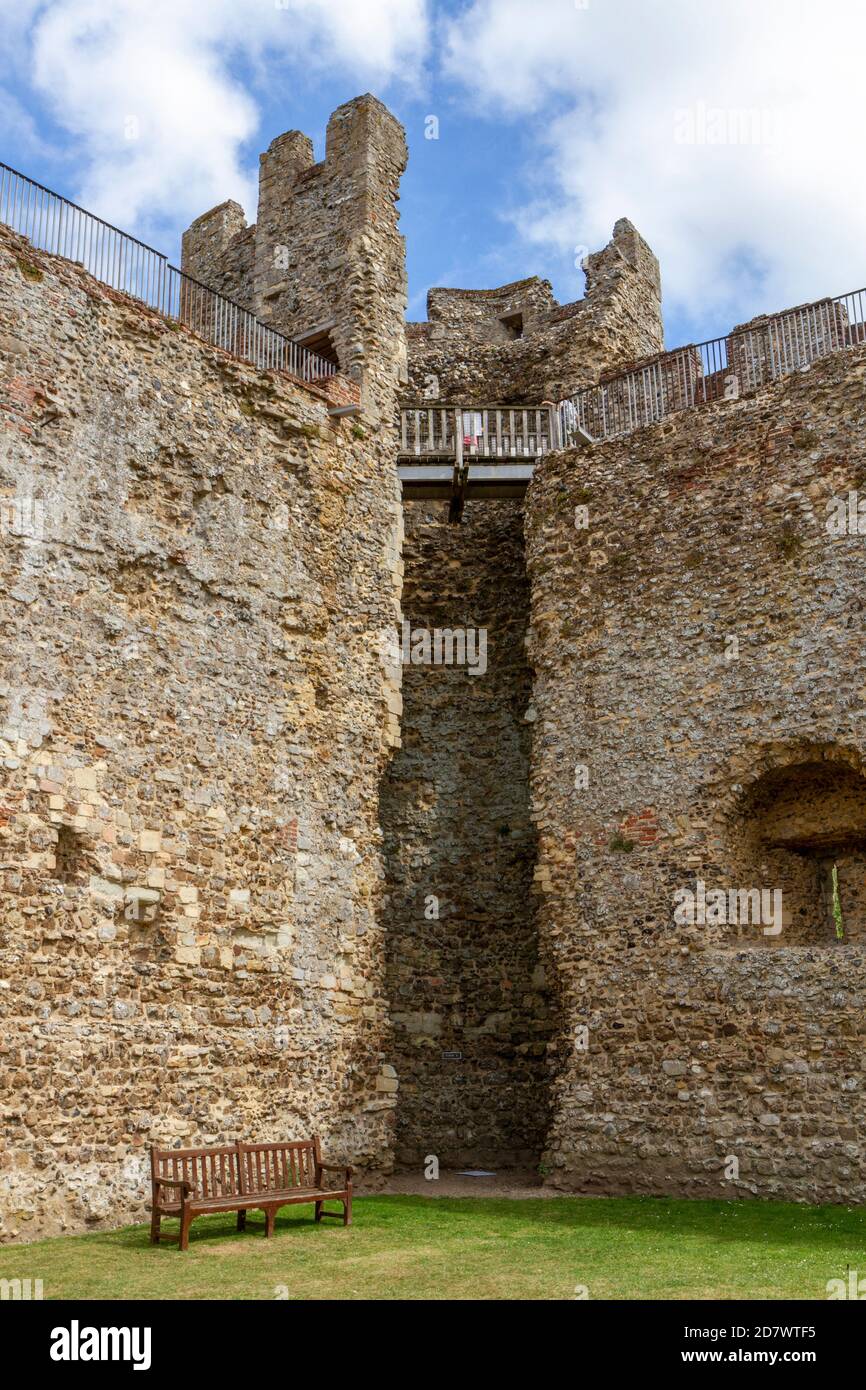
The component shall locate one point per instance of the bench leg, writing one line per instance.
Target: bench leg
(347, 1210)
(185, 1223)
(242, 1221)
(155, 1219)
(270, 1218)
(318, 1211)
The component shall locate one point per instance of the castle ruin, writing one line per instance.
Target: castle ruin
(262, 876)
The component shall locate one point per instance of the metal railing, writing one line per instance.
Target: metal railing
(53, 224)
(722, 368)
(494, 432)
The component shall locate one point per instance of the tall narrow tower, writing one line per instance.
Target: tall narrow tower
(324, 263)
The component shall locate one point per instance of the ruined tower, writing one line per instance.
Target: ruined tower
(196, 714)
(249, 889)
(517, 344)
(699, 764)
(324, 262)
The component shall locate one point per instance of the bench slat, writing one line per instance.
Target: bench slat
(277, 1167)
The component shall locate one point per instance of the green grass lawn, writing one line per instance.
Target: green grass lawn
(479, 1248)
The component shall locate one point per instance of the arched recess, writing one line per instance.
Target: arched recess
(798, 825)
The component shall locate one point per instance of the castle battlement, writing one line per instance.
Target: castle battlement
(324, 261)
(516, 343)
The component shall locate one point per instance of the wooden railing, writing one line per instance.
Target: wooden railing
(719, 369)
(484, 432)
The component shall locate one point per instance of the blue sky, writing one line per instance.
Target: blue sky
(730, 135)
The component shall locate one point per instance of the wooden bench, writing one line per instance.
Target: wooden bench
(240, 1177)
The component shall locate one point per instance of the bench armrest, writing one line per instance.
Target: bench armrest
(336, 1168)
(186, 1188)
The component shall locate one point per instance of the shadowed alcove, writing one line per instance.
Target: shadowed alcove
(801, 829)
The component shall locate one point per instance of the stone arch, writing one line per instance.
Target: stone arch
(796, 823)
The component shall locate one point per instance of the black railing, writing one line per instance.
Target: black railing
(53, 224)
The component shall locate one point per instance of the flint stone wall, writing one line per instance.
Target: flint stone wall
(197, 565)
(468, 994)
(707, 1043)
(469, 990)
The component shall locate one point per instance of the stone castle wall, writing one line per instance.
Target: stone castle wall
(197, 562)
(699, 678)
(467, 991)
(470, 1005)
(232, 908)
(465, 353)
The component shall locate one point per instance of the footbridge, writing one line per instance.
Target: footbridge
(462, 452)
(474, 451)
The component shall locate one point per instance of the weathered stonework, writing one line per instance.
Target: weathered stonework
(467, 992)
(697, 651)
(233, 905)
(324, 263)
(197, 562)
(466, 353)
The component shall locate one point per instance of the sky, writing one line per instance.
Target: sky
(730, 134)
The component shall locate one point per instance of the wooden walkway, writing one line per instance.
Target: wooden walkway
(461, 452)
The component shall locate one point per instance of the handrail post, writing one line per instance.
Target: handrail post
(553, 427)
(458, 481)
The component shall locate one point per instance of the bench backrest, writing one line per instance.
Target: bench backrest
(230, 1170)
(212, 1172)
(275, 1167)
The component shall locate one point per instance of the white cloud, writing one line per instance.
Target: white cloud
(147, 87)
(738, 226)
(18, 126)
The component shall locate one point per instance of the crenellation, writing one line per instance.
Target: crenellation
(324, 262)
(517, 344)
(218, 250)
